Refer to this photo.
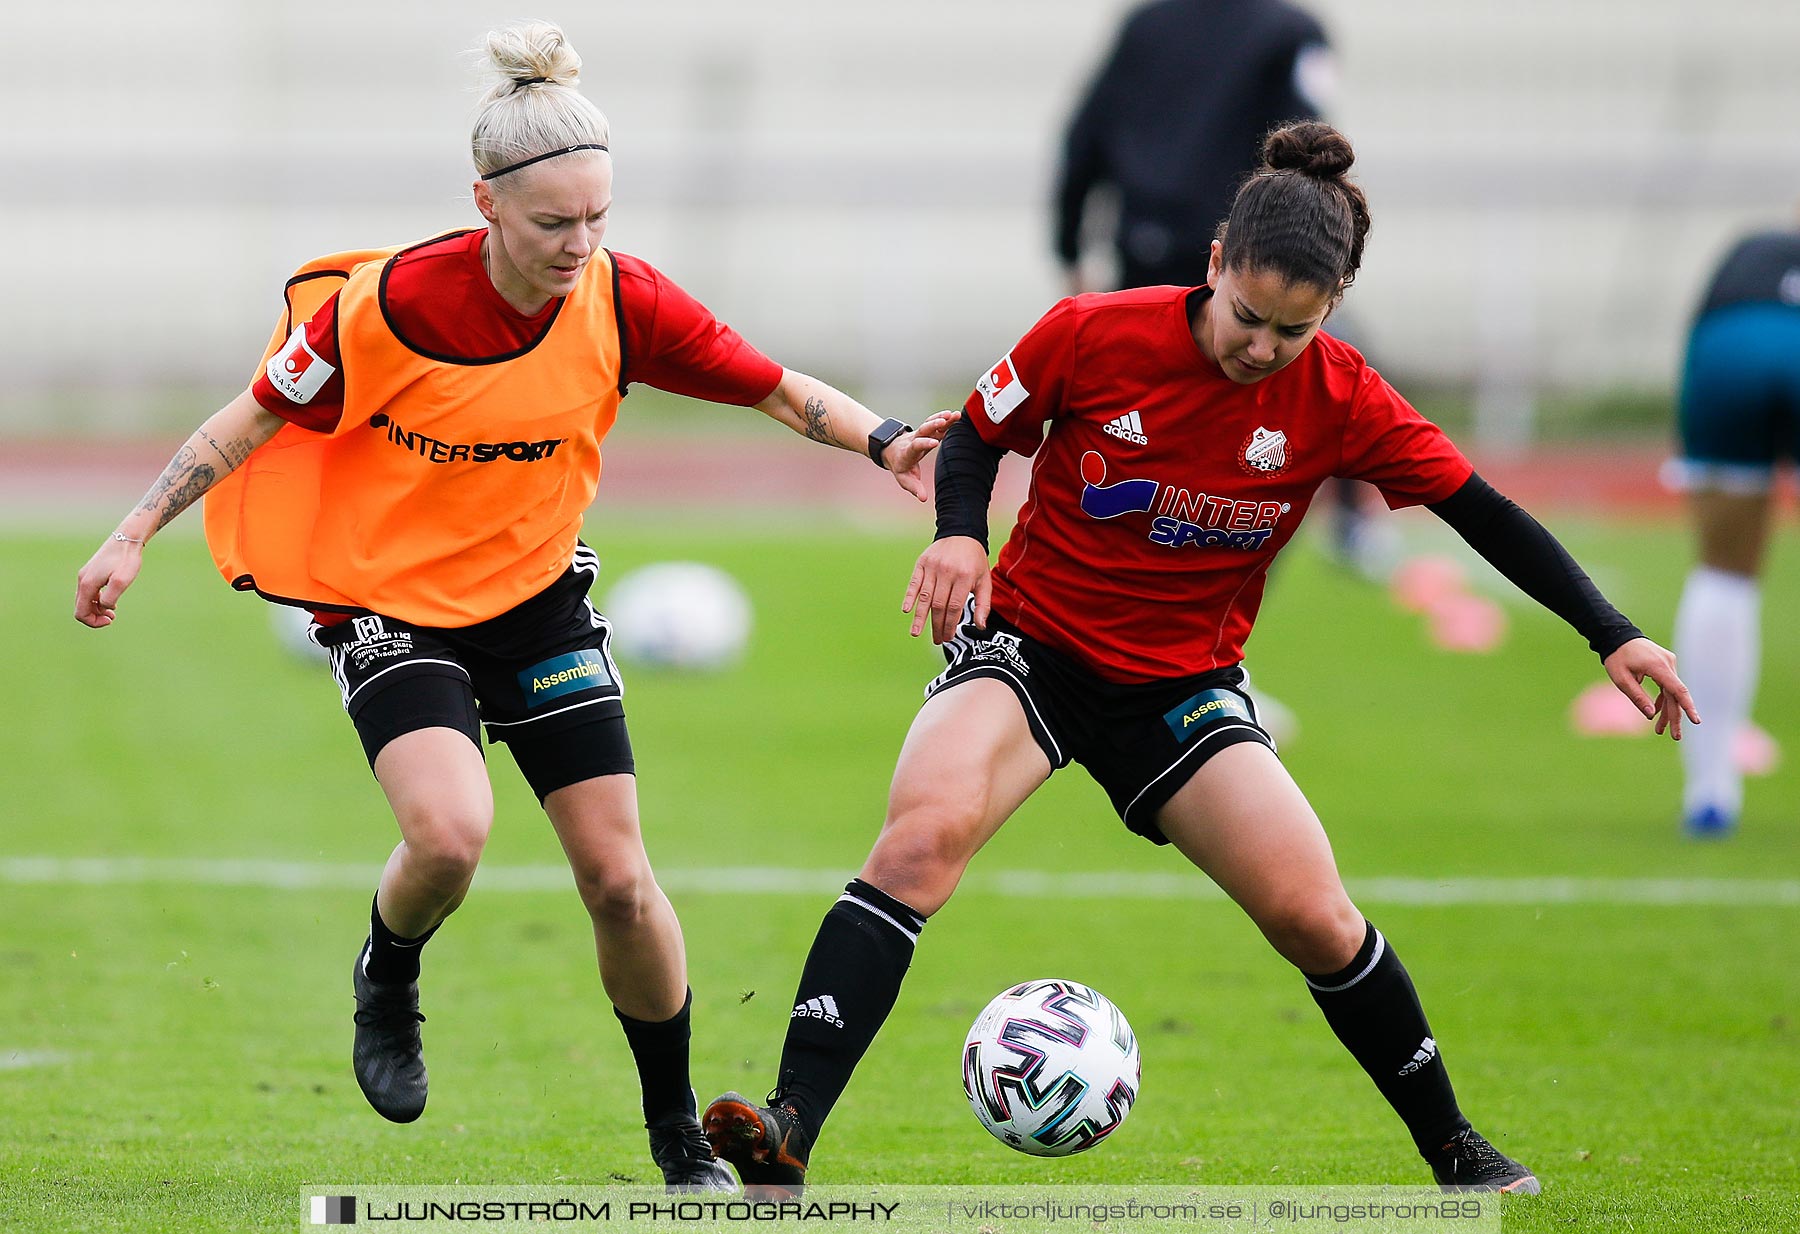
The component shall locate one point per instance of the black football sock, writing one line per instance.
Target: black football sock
(389, 959)
(1372, 1007)
(851, 979)
(661, 1051)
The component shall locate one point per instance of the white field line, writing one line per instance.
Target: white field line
(1017, 884)
(18, 1060)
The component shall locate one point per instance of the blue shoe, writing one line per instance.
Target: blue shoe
(1708, 823)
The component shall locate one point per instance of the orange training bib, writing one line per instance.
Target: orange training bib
(451, 490)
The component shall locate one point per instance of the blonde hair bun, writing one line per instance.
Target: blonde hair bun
(533, 53)
(532, 106)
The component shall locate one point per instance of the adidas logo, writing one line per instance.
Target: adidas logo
(823, 1008)
(1425, 1053)
(1128, 428)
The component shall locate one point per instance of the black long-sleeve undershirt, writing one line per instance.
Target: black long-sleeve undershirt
(1533, 560)
(967, 467)
(1512, 541)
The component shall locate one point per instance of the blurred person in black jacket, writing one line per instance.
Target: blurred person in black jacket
(1175, 120)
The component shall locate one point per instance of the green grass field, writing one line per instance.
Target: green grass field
(173, 1053)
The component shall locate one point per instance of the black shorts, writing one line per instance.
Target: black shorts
(1141, 743)
(540, 676)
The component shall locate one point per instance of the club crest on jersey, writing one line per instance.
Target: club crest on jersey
(1264, 453)
(1001, 390)
(296, 370)
(1181, 516)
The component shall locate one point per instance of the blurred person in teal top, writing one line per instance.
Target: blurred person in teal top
(1739, 418)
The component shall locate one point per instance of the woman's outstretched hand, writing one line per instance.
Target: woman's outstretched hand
(1641, 658)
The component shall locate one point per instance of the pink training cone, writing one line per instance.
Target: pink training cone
(1466, 623)
(1421, 582)
(1601, 711)
(1755, 752)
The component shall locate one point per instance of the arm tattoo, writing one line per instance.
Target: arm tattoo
(184, 459)
(179, 486)
(233, 452)
(818, 425)
(198, 481)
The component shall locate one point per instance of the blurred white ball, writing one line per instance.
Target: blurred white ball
(679, 614)
(290, 626)
(1276, 717)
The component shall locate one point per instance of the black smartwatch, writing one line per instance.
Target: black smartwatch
(883, 437)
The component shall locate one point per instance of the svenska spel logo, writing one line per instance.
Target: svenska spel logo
(296, 370)
(1001, 390)
(334, 1210)
(298, 361)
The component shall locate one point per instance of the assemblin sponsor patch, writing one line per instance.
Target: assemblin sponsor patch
(1206, 707)
(579, 670)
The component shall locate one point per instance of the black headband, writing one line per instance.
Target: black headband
(538, 158)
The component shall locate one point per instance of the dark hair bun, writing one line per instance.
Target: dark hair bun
(1310, 147)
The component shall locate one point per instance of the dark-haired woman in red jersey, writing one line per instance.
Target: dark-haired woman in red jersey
(1178, 436)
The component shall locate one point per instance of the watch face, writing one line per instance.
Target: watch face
(883, 437)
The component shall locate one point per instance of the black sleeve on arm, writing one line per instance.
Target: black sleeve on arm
(1530, 557)
(966, 469)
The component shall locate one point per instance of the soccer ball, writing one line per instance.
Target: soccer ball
(679, 614)
(1051, 1068)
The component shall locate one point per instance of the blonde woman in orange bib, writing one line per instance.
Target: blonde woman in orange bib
(411, 464)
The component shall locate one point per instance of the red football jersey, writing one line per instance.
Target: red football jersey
(446, 303)
(1163, 490)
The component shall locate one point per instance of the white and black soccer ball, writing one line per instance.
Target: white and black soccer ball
(1051, 1068)
(679, 614)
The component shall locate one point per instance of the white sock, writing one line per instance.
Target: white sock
(1718, 646)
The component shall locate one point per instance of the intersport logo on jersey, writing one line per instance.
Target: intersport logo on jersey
(434, 451)
(1181, 516)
